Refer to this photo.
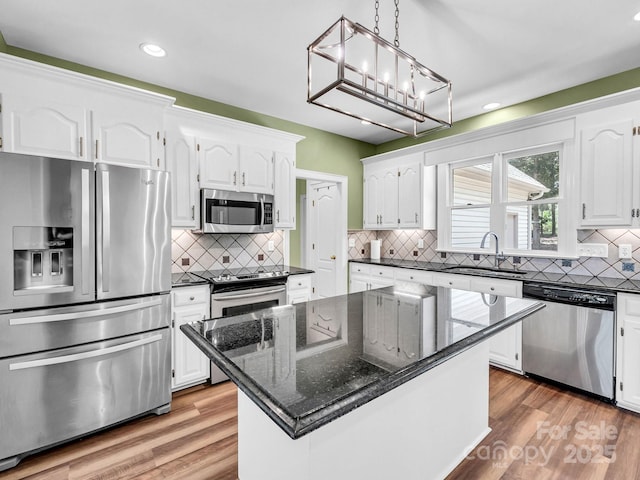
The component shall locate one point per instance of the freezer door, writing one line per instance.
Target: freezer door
(54, 396)
(40, 330)
(133, 231)
(46, 232)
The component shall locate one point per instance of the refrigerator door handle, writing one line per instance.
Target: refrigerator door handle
(106, 232)
(75, 357)
(85, 220)
(84, 314)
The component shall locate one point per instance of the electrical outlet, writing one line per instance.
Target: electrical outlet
(270, 246)
(352, 242)
(593, 250)
(420, 243)
(624, 251)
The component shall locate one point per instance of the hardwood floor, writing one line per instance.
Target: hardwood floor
(539, 432)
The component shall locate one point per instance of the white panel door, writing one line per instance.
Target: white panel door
(324, 199)
(409, 196)
(181, 162)
(389, 197)
(190, 365)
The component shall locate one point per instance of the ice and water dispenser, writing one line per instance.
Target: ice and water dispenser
(42, 258)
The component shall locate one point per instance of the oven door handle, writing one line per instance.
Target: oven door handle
(248, 295)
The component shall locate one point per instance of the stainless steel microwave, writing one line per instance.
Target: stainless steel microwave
(236, 212)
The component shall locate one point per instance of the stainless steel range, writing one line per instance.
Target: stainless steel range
(238, 291)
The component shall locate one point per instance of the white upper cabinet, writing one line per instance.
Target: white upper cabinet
(207, 151)
(399, 192)
(255, 172)
(88, 119)
(607, 169)
(218, 164)
(127, 133)
(181, 162)
(38, 126)
(610, 167)
(284, 187)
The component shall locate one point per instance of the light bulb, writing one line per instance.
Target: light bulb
(153, 50)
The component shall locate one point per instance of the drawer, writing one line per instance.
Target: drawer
(299, 282)
(382, 272)
(414, 276)
(190, 295)
(462, 282)
(359, 269)
(507, 288)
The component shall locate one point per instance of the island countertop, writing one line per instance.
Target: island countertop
(305, 365)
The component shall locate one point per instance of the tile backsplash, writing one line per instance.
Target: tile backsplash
(403, 245)
(192, 251)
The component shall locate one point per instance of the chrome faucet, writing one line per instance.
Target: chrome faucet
(499, 255)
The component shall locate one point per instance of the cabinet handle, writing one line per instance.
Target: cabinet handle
(192, 298)
(416, 217)
(81, 147)
(492, 289)
(96, 149)
(193, 212)
(278, 215)
(235, 178)
(584, 211)
(243, 182)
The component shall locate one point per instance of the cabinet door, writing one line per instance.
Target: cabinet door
(285, 191)
(190, 365)
(358, 284)
(126, 136)
(410, 196)
(505, 348)
(371, 199)
(40, 127)
(628, 351)
(389, 198)
(218, 163)
(256, 170)
(181, 162)
(606, 180)
(409, 331)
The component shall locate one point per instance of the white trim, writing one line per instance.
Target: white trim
(342, 182)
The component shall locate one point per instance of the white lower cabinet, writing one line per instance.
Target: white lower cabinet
(189, 366)
(298, 288)
(628, 352)
(505, 348)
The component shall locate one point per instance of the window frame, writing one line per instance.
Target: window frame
(498, 208)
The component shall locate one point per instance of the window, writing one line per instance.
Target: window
(518, 195)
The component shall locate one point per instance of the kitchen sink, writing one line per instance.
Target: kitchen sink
(485, 271)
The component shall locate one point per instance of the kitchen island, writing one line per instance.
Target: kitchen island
(377, 384)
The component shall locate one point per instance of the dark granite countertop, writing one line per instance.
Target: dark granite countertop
(600, 283)
(187, 279)
(305, 365)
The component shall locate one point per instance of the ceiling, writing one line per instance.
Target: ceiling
(252, 53)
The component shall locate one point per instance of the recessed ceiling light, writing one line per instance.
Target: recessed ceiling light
(491, 106)
(636, 17)
(153, 50)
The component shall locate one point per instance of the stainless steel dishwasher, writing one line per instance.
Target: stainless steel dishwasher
(572, 340)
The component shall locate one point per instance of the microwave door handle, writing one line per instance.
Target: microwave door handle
(249, 295)
(262, 212)
(106, 232)
(85, 239)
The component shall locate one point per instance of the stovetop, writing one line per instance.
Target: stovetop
(243, 274)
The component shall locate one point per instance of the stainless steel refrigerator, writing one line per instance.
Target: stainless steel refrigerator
(85, 255)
